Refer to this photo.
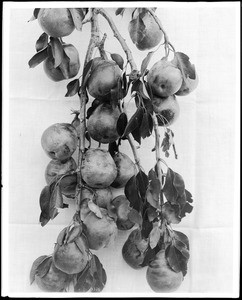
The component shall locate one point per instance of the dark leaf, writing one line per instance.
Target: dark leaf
(187, 208)
(146, 227)
(178, 183)
(38, 58)
(84, 280)
(78, 15)
(145, 63)
(132, 194)
(98, 273)
(145, 128)
(142, 183)
(57, 51)
(86, 72)
(149, 108)
(61, 236)
(136, 135)
(113, 148)
(182, 248)
(125, 85)
(169, 190)
(150, 255)
(135, 217)
(44, 266)
(154, 237)
(181, 237)
(119, 11)
(59, 200)
(134, 122)
(188, 196)
(138, 86)
(72, 88)
(118, 59)
(122, 123)
(35, 14)
(34, 267)
(42, 42)
(173, 258)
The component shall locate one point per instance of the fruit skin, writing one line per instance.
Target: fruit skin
(146, 38)
(56, 167)
(56, 22)
(102, 123)
(100, 232)
(134, 248)
(59, 141)
(160, 277)
(54, 281)
(71, 258)
(167, 108)
(164, 78)
(98, 168)
(104, 78)
(67, 69)
(121, 204)
(125, 168)
(101, 197)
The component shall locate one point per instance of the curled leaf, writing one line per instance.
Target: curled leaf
(118, 59)
(72, 88)
(95, 209)
(154, 237)
(145, 63)
(122, 123)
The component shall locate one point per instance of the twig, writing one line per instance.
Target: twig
(167, 42)
(119, 37)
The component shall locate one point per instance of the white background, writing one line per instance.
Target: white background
(206, 138)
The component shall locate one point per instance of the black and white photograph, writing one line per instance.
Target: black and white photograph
(121, 149)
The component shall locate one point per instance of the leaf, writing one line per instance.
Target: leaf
(154, 237)
(113, 148)
(142, 183)
(34, 267)
(138, 86)
(131, 193)
(145, 63)
(44, 266)
(138, 30)
(72, 88)
(136, 135)
(135, 217)
(61, 236)
(187, 208)
(78, 16)
(134, 122)
(181, 237)
(84, 280)
(42, 42)
(145, 126)
(118, 59)
(86, 72)
(182, 62)
(95, 209)
(57, 51)
(38, 58)
(150, 255)
(35, 14)
(98, 274)
(182, 248)
(119, 11)
(173, 258)
(59, 200)
(74, 233)
(122, 123)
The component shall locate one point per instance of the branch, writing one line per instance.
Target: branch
(119, 38)
(157, 148)
(94, 39)
(167, 42)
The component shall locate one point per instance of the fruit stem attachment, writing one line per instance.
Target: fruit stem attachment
(119, 37)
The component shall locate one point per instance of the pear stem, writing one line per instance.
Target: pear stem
(94, 40)
(167, 42)
(119, 37)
